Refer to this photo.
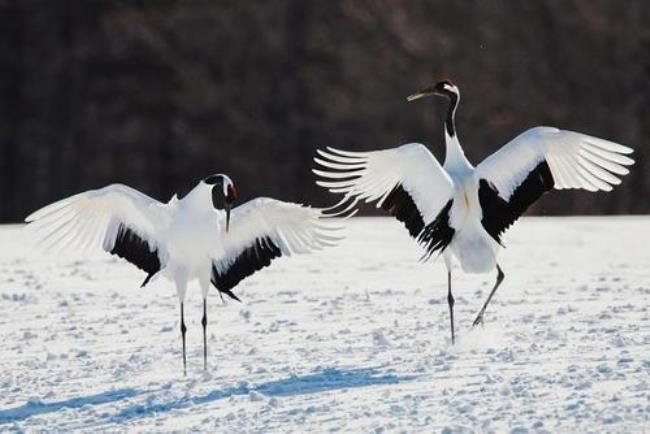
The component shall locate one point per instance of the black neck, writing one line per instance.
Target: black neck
(449, 122)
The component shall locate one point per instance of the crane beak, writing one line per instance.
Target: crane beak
(227, 208)
(231, 196)
(421, 94)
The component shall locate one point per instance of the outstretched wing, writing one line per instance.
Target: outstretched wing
(408, 182)
(540, 159)
(264, 229)
(118, 218)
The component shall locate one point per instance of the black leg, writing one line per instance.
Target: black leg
(451, 301)
(183, 331)
(204, 322)
(479, 317)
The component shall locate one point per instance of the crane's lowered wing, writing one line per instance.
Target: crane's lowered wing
(264, 229)
(538, 160)
(117, 218)
(407, 181)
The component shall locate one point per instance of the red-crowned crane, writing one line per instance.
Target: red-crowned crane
(185, 239)
(461, 211)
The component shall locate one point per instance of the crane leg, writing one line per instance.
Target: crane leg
(451, 301)
(183, 331)
(479, 317)
(204, 323)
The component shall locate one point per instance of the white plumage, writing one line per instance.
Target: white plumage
(92, 219)
(576, 161)
(183, 240)
(376, 174)
(460, 210)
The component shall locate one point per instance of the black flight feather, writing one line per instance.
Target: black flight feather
(400, 204)
(499, 214)
(133, 248)
(252, 259)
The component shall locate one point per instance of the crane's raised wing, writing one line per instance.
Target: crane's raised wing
(118, 218)
(264, 229)
(540, 159)
(407, 181)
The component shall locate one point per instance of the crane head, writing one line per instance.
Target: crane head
(222, 184)
(442, 88)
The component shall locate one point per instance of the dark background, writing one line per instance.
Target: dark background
(158, 94)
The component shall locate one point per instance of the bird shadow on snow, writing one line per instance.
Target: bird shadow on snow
(37, 407)
(326, 380)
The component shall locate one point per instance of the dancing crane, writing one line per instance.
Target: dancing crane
(185, 239)
(461, 211)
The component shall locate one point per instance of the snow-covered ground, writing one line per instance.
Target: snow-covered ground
(355, 338)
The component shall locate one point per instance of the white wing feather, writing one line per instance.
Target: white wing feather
(92, 219)
(372, 176)
(293, 228)
(575, 160)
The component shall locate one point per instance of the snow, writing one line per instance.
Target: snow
(354, 338)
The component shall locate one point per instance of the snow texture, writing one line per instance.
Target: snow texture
(351, 339)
